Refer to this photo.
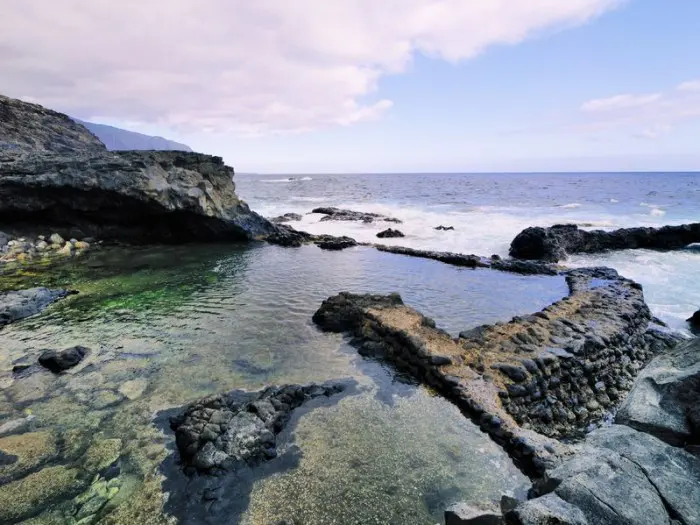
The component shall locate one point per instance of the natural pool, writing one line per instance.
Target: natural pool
(168, 325)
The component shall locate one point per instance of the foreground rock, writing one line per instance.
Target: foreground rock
(60, 361)
(390, 234)
(553, 244)
(550, 374)
(225, 441)
(475, 261)
(337, 214)
(79, 189)
(664, 400)
(19, 304)
(621, 476)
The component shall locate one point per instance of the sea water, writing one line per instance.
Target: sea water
(489, 210)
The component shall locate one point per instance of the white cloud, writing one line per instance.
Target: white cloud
(648, 116)
(618, 102)
(250, 66)
(691, 85)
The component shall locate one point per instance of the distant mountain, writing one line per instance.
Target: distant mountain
(117, 139)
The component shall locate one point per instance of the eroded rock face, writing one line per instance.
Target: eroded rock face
(664, 400)
(56, 176)
(337, 214)
(553, 244)
(136, 197)
(30, 127)
(19, 304)
(225, 432)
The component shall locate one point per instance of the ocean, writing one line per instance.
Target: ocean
(489, 210)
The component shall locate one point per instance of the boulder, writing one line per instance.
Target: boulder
(463, 514)
(60, 361)
(547, 510)
(19, 304)
(664, 400)
(55, 175)
(554, 243)
(287, 217)
(336, 243)
(694, 322)
(390, 233)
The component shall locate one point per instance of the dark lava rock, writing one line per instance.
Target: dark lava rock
(19, 304)
(694, 321)
(132, 196)
(342, 312)
(336, 243)
(553, 244)
(390, 233)
(664, 399)
(229, 441)
(59, 361)
(445, 228)
(287, 217)
(337, 214)
(224, 432)
(288, 237)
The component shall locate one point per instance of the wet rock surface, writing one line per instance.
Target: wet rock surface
(287, 217)
(59, 361)
(336, 243)
(664, 400)
(19, 304)
(390, 234)
(337, 214)
(554, 243)
(475, 261)
(225, 442)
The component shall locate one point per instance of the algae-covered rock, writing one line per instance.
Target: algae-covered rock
(29, 496)
(133, 389)
(28, 450)
(101, 454)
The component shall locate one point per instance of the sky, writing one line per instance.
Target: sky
(348, 86)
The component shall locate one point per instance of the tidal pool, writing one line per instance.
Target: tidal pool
(168, 325)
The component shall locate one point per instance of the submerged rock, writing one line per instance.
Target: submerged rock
(60, 361)
(463, 514)
(224, 432)
(390, 233)
(553, 244)
(664, 400)
(19, 304)
(337, 214)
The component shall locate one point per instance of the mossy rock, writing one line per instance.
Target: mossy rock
(26, 452)
(101, 454)
(28, 496)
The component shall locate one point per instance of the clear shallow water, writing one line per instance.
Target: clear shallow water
(489, 210)
(170, 325)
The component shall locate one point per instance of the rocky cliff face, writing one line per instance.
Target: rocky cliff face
(30, 127)
(57, 176)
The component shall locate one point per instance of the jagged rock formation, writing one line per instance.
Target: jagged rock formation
(553, 244)
(30, 127)
(116, 139)
(19, 304)
(337, 214)
(56, 176)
